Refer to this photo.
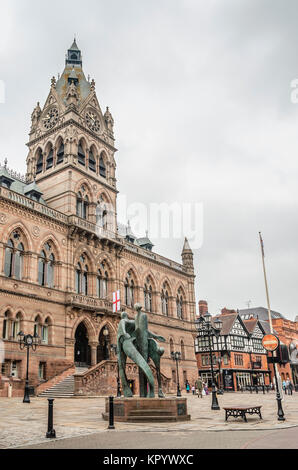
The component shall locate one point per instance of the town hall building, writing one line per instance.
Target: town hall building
(63, 254)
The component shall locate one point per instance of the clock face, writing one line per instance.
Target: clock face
(51, 118)
(92, 121)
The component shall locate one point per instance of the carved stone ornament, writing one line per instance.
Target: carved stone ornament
(36, 231)
(3, 218)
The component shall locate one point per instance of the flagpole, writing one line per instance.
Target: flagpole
(280, 412)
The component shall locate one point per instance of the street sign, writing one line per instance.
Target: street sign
(270, 342)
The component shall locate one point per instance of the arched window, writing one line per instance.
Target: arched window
(82, 204)
(39, 162)
(102, 216)
(129, 290)
(60, 153)
(102, 167)
(14, 255)
(37, 326)
(16, 326)
(92, 162)
(182, 349)
(179, 304)
(81, 154)
(45, 331)
(148, 296)
(82, 276)
(165, 300)
(102, 281)
(6, 325)
(46, 266)
(50, 158)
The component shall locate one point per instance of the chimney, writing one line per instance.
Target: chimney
(203, 307)
(226, 311)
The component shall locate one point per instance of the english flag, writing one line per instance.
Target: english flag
(116, 301)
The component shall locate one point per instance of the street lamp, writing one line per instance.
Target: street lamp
(27, 341)
(176, 356)
(220, 388)
(105, 335)
(115, 351)
(205, 328)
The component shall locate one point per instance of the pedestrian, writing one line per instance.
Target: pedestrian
(206, 389)
(187, 387)
(193, 389)
(284, 386)
(289, 386)
(199, 386)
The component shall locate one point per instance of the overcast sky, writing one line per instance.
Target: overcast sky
(201, 97)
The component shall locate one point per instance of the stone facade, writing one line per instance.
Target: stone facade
(62, 255)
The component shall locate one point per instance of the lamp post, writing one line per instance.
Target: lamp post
(106, 349)
(220, 388)
(115, 350)
(176, 356)
(27, 341)
(205, 328)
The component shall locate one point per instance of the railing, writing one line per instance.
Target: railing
(100, 232)
(87, 301)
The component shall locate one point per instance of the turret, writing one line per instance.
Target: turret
(187, 256)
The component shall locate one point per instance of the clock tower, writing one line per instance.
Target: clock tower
(71, 148)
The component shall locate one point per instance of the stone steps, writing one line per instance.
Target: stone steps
(63, 389)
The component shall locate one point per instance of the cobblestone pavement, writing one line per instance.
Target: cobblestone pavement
(23, 424)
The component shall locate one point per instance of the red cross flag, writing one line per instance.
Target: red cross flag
(116, 301)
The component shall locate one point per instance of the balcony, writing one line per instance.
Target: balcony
(82, 227)
(86, 302)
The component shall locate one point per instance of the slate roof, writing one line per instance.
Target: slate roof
(260, 312)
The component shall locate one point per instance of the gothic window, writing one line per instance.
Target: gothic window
(164, 300)
(46, 266)
(49, 162)
(37, 326)
(179, 304)
(92, 162)
(39, 162)
(81, 154)
(6, 323)
(16, 326)
(14, 255)
(81, 276)
(45, 331)
(171, 345)
(102, 167)
(102, 281)
(182, 350)
(148, 296)
(82, 204)
(60, 153)
(102, 214)
(129, 290)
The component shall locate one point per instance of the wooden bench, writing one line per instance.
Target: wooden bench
(237, 411)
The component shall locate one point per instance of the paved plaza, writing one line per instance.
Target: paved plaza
(79, 424)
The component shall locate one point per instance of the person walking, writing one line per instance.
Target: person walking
(284, 386)
(199, 386)
(187, 387)
(289, 386)
(193, 389)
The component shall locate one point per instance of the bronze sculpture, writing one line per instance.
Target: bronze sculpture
(134, 340)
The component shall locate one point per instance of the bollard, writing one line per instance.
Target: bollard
(257, 389)
(111, 413)
(51, 432)
(263, 389)
(250, 389)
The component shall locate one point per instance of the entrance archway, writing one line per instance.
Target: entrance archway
(104, 342)
(82, 351)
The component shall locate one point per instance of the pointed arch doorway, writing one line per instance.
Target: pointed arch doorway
(82, 350)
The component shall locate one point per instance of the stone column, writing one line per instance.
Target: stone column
(93, 345)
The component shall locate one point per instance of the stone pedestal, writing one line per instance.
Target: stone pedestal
(148, 410)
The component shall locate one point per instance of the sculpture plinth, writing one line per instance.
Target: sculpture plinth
(150, 410)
